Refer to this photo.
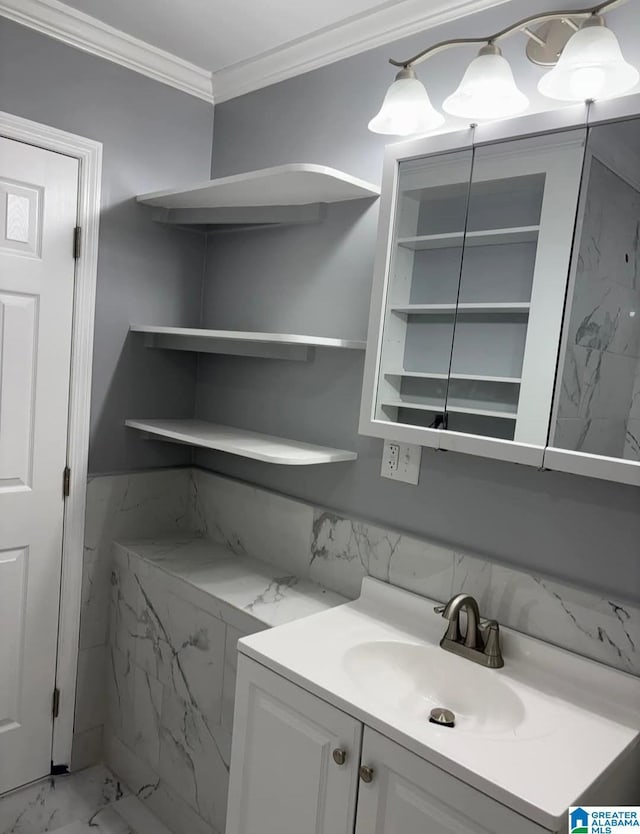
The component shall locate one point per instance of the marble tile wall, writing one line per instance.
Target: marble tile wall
(602, 361)
(170, 684)
(138, 504)
(337, 552)
(304, 542)
(179, 605)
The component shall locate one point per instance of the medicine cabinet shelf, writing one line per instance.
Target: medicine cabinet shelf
(463, 307)
(510, 380)
(485, 237)
(293, 193)
(455, 409)
(248, 444)
(239, 342)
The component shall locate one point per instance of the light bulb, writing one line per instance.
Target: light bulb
(487, 89)
(591, 66)
(406, 108)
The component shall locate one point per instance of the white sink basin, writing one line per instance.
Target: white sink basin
(534, 735)
(412, 679)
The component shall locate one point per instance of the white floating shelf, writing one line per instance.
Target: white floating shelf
(486, 237)
(247, 444)
(240, 342)
(463, 307)
(453, 409)
(267, 196)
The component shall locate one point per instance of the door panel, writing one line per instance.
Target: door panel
(411, 796)
(13, 573)
(38, 208)
(284, 778)
(18, 343)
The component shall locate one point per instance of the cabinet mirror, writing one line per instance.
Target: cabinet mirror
(505, 316)
(471, 288)
(595, 425)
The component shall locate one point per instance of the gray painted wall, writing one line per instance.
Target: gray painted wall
(317, 279)
(153, 136)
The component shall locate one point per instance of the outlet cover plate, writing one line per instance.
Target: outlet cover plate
(401, 461)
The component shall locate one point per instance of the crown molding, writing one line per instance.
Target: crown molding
(91, 35)
(347, 38)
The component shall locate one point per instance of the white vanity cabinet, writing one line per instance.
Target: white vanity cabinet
(295, 759)
(468, 298)
(407, 794)
(301, 766)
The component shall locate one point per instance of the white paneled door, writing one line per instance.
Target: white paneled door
(38, 208)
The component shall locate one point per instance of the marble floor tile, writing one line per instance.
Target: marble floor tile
(59, 801)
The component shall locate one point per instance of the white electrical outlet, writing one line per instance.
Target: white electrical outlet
(401, 461)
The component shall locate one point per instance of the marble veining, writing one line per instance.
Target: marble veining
(595, 407)
(81, 802)
(581, 621)
(178, 607)
(138, 504)
(249, 521)
(180, 599)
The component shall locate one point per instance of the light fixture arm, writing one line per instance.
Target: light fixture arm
(518, 26)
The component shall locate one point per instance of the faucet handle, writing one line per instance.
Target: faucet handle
(492, 648)
(439, 609)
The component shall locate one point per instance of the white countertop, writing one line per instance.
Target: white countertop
(578, 716)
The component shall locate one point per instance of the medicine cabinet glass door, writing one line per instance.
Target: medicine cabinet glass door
(474, 296)
(595, 426)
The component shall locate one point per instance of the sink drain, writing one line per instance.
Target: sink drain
(443, 717)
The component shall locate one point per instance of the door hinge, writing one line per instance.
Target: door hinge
(55, 703)
(77, 242)
(66, 482)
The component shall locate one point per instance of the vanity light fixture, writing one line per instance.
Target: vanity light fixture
(588, 65)
(488, 89)
(591, 66)
(406, 108)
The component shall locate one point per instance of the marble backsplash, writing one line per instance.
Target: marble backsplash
(323, 546)
(337, 552)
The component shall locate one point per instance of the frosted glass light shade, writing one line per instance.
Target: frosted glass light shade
(487, 90)
(591, 66)
(406, 108)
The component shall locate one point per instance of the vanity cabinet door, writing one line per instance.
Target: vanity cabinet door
(288, 775)
(407, 794)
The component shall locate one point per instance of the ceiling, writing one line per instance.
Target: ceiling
(216, 34)
(220, 49)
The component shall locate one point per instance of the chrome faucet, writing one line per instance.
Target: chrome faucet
(481, 641)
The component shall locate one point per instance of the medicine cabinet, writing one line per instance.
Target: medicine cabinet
(507, 281)
(472, 288)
